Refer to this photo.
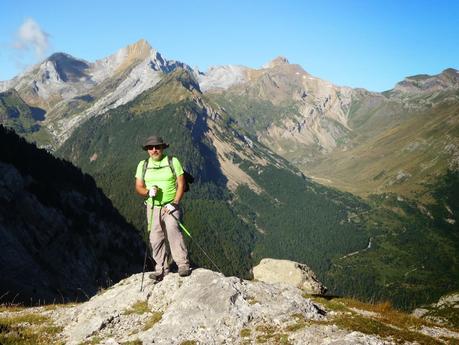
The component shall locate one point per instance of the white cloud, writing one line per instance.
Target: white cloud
(30, 36)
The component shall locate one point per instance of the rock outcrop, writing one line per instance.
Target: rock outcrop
(205, 308)
(208, 308)
(288, 272)
(444, 312)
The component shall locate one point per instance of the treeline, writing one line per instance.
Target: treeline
(298, 222)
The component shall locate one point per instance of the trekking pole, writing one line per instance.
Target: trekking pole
(196, 242)
(146, 242)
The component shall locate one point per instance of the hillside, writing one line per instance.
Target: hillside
(257, 141)
(246, 202)
(18, 115)
(354, 140)
(398, 146)
(60, 237)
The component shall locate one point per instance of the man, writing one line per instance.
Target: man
(164, 193)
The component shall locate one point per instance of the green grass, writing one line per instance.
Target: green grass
(27, 329)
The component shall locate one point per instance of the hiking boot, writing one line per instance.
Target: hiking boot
(184, 271)
(156, 277)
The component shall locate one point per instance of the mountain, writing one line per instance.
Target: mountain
(246, 201)
(324, 129)
(288, 109)
(258, 141)
(397, 150)
(70, 90)
(428, 84)
(402, 142)
(249, 203)
(60, 237)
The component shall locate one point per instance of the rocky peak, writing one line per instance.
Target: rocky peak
(449, 78)
(67, 67)
(222, 77)
(451, 75)
(278, 61)
(139, 48)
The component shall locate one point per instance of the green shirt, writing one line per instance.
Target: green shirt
(160, 174)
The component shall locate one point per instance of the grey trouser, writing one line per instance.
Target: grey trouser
(165, 227)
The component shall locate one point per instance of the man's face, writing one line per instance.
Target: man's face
(155, 152)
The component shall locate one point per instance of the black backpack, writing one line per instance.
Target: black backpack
(188, 177)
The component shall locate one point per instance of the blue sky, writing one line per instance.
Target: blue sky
(371, 44)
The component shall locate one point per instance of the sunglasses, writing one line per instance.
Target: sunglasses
(157, 147)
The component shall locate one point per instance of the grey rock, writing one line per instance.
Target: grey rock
(205, 307)
(222, 77)
(288, 272)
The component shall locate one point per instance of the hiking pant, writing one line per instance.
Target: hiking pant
(166, 229)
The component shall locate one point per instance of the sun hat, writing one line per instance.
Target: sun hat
(154, 141)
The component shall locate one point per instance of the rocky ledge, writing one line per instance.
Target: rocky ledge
(209, 308)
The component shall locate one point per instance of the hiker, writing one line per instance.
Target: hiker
(164, 186)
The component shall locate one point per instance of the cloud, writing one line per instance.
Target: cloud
(30, 36)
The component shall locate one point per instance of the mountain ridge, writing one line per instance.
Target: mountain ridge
(252, 142)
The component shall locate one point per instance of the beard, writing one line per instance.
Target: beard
(156, 156)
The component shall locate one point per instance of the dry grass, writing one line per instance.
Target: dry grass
(139, 308)
(245, 332)
(387, 322)
(388, 314)
(11, 308)
(132, 342)
(154, 318)
(28, 329)
(272, 334)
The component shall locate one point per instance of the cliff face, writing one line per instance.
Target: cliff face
(60, 237)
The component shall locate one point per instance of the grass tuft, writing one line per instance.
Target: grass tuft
(245, 332)
(155, 318)
(28, 329)
(139, 308)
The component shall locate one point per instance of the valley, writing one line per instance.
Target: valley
(287, 165)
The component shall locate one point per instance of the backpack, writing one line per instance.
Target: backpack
(188, 177)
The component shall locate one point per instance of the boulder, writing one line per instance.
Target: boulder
(289, 272)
